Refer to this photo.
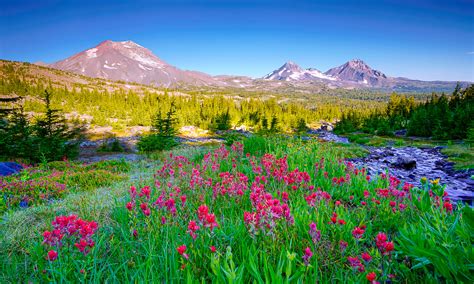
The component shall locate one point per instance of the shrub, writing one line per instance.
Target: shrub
(111, 146)
(163, 136)
(155, 142)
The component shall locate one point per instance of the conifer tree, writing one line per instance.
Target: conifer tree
(54, 136)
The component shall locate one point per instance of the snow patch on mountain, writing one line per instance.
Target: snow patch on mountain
(91, 53)
(290, 71)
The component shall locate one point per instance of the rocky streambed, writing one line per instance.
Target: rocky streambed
(413, 163)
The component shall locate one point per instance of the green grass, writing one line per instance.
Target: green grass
(425, 235)
(462, 155)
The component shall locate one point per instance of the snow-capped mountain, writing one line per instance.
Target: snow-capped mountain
(130, 62)
(357, 71)
(291, 71)
(355, 74)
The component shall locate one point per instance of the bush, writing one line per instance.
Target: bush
(113, 146)
(232, 137)
(153, 142)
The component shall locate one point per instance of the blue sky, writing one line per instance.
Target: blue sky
(426, 40)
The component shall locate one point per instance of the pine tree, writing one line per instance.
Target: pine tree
(53, 135)
(163, 136)
(274, 125)
(301, 126)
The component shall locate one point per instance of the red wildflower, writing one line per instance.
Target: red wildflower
(448, 206)
(381, 238)
(371, 276)
(358, 232)
(366, 257)
(52, 255)
(203, 210)
(182, 251)
(145, 191)
(389, 247)
(307, 256)
(212, 248)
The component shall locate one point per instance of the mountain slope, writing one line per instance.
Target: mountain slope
(130, 62)
(357, 71)
(356, 74)
(291, 71)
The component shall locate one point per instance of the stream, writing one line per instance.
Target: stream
(411, 164)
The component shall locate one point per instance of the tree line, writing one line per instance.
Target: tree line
(440, 117)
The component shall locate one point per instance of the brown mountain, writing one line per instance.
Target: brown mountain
(130, 62)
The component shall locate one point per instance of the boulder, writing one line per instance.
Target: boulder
(404, 162)
(9, 168)
(401, 132)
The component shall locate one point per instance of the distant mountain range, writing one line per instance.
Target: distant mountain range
(356, 74)
(131, 62)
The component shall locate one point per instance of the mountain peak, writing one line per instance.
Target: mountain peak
(127, 61)
(291, 71)
(356, 70)
(358, 63)
(290, 63)
(357, 60)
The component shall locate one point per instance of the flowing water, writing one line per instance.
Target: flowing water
(411, 164)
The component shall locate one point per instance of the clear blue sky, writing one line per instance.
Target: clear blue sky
(418, 39)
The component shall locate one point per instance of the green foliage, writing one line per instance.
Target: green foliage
(444, 118)
(440, 117)
(441, 245)
(110, 145)
(232, 137)
(222, 121)
(255, 145)
(461, 154)
(150, 143)
(301, 126)
(53, 136)
(431, 242)
(163, 133)
(48, 138)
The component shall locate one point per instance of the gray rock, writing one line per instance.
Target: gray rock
(405, 162)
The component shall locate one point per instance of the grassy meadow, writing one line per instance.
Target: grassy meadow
(267, 210)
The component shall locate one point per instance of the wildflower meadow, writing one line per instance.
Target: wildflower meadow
(267, 210)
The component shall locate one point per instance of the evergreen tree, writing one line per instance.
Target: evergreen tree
(274, 125)
(163, 136)
(301, 126)
(223, 121)
(54, 137)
